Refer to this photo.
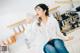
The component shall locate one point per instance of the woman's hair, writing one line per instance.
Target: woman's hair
(39, 21)
(44, 7)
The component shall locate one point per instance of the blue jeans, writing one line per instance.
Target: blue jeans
(55, 46)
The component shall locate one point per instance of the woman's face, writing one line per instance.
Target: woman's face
(39, 12)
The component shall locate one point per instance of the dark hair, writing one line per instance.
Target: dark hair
(44, 7)
(39, 21)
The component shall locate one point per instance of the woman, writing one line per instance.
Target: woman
(44, 33)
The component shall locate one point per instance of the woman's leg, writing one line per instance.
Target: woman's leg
(60, 47)
(49, 49)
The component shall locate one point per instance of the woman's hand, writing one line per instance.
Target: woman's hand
(68, 38)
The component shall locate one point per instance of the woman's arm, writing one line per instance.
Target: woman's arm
(59, 33)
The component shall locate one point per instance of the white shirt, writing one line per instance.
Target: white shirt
(38, 36)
